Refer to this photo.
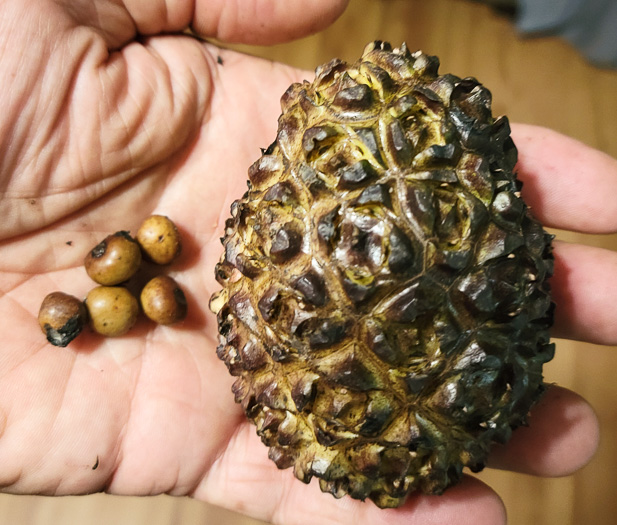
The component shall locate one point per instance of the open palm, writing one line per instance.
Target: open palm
(102, 127)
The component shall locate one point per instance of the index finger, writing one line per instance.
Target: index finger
(567, 184)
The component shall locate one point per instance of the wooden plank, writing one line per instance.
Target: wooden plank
(103, 509)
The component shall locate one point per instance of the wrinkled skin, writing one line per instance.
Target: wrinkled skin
(99, 129)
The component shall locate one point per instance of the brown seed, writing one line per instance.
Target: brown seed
(62, 317)
(159, 238)
(114, 260)
(163, 301)
(113, 310)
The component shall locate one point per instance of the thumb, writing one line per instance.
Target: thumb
(264, 21)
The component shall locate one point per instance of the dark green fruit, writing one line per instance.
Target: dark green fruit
(114, 260)
(160, 239)
(163, 301)
(385, 303)
(62, 318)
(113, 310)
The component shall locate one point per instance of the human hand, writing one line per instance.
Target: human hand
(102, 128)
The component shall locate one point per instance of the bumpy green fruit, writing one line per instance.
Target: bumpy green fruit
(385, 304)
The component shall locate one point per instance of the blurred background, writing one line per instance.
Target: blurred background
(538, 74)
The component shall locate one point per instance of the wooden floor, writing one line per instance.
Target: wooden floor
(540, 81)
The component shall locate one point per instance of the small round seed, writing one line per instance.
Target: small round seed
(159, 238)
(113, 310)
(163, 301)
(114, 260)
(62, 318)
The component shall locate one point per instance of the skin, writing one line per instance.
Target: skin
(100, 129)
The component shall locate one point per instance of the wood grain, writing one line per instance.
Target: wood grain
(542, 81)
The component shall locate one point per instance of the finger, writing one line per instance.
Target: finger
(562, 437)
(264, 21)
(246, 21)
(567, 184)
(584, 288)
(470, 502)
(244, 479)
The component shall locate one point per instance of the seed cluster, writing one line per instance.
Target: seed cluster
(114, 264)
